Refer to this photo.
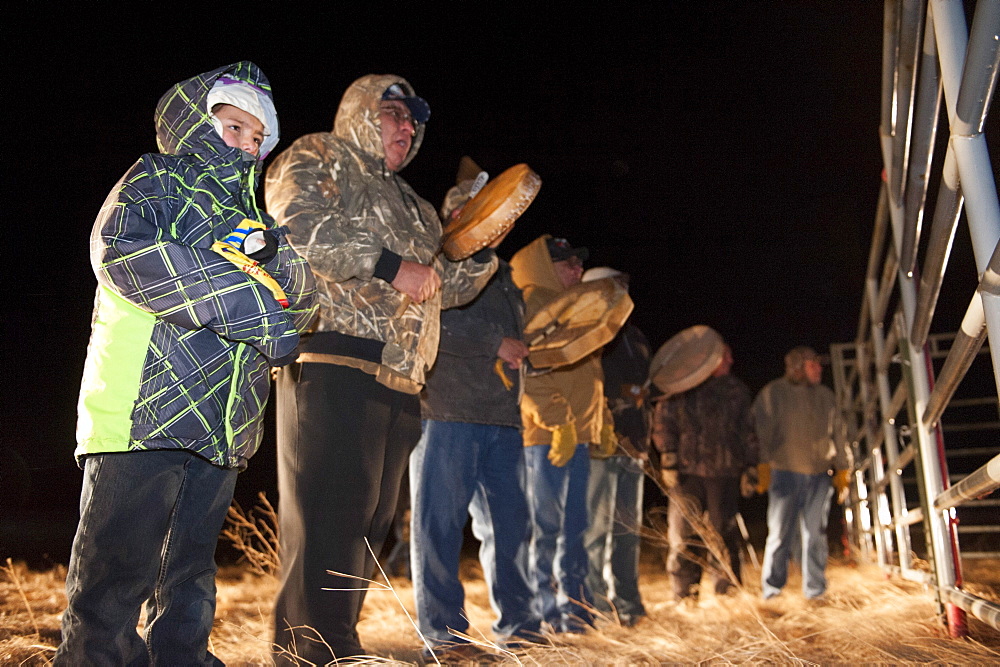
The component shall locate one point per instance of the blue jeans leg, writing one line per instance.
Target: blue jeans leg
(149, 524)
(442, 481)
(815, 549)
(558, 502)
(500, 521)
(625, 539)
(601, 495)
(796, 501)
(614, 500)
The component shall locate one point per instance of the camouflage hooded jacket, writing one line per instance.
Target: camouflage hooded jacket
(181, 338)
(573, 393)
(708, 430)
(351, 217)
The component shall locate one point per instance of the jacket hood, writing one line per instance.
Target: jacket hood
(532, 265)
(183, 122)
(357, 120)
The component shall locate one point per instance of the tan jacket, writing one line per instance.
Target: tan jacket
(798, 428)
(570, 393)
(350, 217)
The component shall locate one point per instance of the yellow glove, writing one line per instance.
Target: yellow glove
(670, 478)
(563, 445)
(841, 480)
(763, 477)
(498, 369)
(609, 441)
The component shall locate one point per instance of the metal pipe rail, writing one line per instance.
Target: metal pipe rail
(985, 480)
(929, 56)
(928, 105)
(984, 610)
(967, 344)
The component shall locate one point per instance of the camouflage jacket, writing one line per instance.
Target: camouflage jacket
(707, 431)
(573, 393)
(351, 217)
(181, 340)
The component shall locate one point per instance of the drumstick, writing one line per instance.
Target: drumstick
(478, 184)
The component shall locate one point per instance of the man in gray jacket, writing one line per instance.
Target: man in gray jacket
(801, 442)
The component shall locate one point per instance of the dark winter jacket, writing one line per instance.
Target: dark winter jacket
(625, 361)
(181, 342)
(707, 431)
(463, 386)
(354, 221)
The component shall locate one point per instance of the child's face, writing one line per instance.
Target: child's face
(239, 128)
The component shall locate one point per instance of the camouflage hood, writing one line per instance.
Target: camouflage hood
(357, 120)
(183, 123)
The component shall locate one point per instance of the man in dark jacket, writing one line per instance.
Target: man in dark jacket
(470, 461)
(708, 452)
(614, 491)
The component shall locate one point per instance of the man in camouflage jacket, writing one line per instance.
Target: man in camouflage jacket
(706, 441)
(348, 412)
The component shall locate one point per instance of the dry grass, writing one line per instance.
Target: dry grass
(254, 533)
(865, 618)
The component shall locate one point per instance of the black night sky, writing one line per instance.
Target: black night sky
(724, 154)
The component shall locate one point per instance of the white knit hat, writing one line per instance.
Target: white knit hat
(250, 99)
(598, 272)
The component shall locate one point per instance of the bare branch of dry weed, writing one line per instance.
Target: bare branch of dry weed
(254, 534)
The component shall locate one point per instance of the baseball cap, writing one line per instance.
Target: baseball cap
(419, 109)
(560, 249)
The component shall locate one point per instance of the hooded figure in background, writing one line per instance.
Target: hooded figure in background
(562, 412)
(177, 372)
(614, 492)
(348, 411)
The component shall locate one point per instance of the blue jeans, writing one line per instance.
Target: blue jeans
(558, 560)
(459, 469)
(614, 501)
(149, 524)
(796, 501)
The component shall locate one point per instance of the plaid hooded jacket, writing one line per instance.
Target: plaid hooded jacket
(352, 219)
(181, 338)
